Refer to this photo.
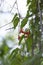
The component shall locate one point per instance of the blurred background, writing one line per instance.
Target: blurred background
(9, 48)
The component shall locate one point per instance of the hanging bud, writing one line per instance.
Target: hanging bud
(19, 37)
(21, 31)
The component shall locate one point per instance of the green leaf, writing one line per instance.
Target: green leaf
(28, 43)
(28, 1)
(21, 39)
(15, 22)
(24, 22)
(14, 17)
(35, 60)
(13, 54)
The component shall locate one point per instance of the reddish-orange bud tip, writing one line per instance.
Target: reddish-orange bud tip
(19, 37)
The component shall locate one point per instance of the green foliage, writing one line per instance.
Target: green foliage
(26, 54)
(4, 49)
(16, 57)
(33, 41)
(33, 60)
(21, 38)
(24, 22)
(28, 1)
(14, 17)
(28, 43)
(15, 22)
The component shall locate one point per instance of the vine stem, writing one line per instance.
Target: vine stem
(5, 24)
(40, 12)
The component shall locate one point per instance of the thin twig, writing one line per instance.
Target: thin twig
(40, 23)
(13, 6)
(5, 24)
(9, 28)
(18, 11)
(10, 12)
(7, 12)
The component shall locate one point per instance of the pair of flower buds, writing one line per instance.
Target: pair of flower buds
(26, 33)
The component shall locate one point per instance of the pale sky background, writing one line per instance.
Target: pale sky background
(6, 17)
(6, 6)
